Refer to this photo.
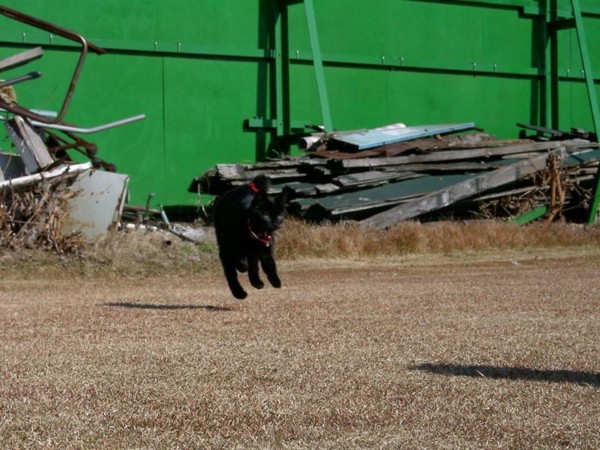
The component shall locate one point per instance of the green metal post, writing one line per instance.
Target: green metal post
(587, 64)
(552, 77)
(318, 64)
(281, 86)
(591, 89)
(546, 94)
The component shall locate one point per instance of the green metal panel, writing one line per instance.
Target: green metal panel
(110, 89)
(203, 72)
(418, 98)
(204, 121)
(215, 26)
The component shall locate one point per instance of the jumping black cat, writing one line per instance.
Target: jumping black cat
(245, 219)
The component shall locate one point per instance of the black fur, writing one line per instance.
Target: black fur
(245, 219)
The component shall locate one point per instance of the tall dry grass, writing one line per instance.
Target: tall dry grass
(347, 239)
(139, 253)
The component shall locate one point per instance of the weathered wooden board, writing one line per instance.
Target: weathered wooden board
(461, 166)
(447, 155)
(21, 58)
(464, 189)
(237, 172)
(370, 178)
(391, 192)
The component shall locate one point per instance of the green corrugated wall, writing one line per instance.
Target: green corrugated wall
(199, 70)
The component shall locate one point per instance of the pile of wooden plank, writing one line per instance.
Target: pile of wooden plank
(428, 176)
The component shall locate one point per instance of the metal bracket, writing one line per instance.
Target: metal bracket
(271, 124)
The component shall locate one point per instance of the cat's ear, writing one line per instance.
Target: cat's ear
(286, 194)
(262, 183)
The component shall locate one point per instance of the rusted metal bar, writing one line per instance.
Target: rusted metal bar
(26, 77)
(21, 58)
(58, 145)
(67, 34)
(47, 26)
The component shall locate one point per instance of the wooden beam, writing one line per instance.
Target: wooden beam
(21, 58)
(449, 155)
(445, 197)
(371, 178)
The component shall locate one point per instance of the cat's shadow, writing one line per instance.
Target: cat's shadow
(163, 307)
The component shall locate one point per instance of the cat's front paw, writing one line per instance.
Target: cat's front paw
(240, 295)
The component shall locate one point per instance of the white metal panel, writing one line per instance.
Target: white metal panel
(98, 203)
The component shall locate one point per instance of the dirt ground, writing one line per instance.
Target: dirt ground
(477, 350)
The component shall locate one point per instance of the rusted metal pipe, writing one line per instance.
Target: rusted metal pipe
(26, 77)
(52, 28)
(47, 26)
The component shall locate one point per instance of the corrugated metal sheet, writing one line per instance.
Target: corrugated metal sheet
(375, 138)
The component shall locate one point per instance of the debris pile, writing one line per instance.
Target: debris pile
(31, 216)
(396, 173)
(47, 199)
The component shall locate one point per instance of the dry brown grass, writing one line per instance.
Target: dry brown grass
(141, 253)
(454, 349)
(347, 239)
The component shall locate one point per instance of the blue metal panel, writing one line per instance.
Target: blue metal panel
(383, 136)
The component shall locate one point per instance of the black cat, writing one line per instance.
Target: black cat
(245, 219)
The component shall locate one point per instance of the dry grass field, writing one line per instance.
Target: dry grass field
(465, 347)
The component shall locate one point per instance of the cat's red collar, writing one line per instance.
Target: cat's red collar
(264, 238)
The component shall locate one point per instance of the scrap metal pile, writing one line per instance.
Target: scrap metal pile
(47, 199)
(450, 171)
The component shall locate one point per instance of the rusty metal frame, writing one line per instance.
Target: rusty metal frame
(67, 34)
